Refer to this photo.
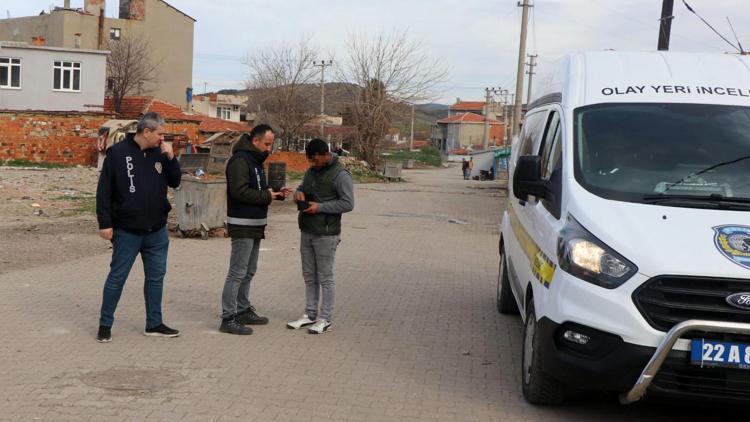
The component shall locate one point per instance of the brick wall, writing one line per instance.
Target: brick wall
(61, 138)
(45, 137)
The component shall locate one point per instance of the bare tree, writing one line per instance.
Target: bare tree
(129, 68)
(279, 85)
(386, 73)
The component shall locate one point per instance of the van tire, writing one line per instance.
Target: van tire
(506, 303)
(538, 387)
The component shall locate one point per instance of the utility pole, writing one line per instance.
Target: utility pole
(488, 94)
(530, 72)
(411, 138)
(322, 65)
(205, 85)
(509, 130)
(665, 25)
(520, 69)
(504, 102)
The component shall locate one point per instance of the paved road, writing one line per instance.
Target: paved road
(415, 337)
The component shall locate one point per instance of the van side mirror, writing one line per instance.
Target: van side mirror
(527, 178)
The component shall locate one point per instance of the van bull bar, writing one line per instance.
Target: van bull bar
(654, 365)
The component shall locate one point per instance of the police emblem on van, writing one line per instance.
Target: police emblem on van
(740, 300)
(733, 242)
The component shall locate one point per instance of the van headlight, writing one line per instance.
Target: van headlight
(588, 258)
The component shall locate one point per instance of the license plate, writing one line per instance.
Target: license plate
(719, 353)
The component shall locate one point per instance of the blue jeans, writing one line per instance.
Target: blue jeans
(125, 247)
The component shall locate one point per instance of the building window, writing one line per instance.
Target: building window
(10, 72)
(224, 113)
(236, 108)
(114, 33)
(67, 76)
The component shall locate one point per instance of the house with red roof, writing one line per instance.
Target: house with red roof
(180, 126)
(466, 131)
(461, 107)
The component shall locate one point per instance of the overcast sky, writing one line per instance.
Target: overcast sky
(477, 39)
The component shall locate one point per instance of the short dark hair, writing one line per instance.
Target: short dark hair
(260, 130)
(316, 147)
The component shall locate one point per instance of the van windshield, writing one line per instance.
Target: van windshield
(671, 154)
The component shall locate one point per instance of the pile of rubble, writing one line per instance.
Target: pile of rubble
(352, 163)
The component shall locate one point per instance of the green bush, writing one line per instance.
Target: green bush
(427, 155)
(26, 163)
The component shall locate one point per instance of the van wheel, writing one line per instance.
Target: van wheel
(506, 303)
(538, 387)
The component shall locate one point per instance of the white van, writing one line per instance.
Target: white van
(625, 245)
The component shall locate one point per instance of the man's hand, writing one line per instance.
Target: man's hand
(105, 234)
(299, 196)
(276, 195)
(312, 209)
(167, 150)
(286, 191)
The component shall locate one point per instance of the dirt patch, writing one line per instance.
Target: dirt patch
(133, 380)
(47, 216)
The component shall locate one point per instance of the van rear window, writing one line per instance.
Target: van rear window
(634, 152)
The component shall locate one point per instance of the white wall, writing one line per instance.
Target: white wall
(37, 74)
(205, 107)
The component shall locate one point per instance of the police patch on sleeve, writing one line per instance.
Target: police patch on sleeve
(157, 166)
(733, 242)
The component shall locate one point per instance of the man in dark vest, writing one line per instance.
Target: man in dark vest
(326, 192)
(248, 197)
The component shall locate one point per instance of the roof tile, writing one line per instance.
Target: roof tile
(468, 106)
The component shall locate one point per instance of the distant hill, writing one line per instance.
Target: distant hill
(339, 96)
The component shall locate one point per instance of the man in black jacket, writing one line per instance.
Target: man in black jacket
(248, 197)
(132, 208)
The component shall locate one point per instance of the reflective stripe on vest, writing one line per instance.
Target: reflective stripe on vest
(247, 221)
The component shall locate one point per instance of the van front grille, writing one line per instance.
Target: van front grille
(665, 301)
(678, 376)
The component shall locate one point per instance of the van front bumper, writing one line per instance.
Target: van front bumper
(605, 363)
(608, 363)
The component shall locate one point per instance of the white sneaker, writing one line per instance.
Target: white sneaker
(300, 323)
(321, 326)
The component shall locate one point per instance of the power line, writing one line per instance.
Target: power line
(645, 24)
(709, 25)
(742, 51)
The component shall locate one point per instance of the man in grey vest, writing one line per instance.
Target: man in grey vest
(327, 191)
(248, 197)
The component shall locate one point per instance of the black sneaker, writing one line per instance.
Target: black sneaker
(231, 326)
(161, 331)
(104, 335)
(249, 317)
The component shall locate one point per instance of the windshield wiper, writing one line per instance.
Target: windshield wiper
(705, 170)
(720, 201)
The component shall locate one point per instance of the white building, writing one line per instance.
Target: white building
(37, 77)
(222, 106)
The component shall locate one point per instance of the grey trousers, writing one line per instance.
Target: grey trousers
(318, 253)
(243, 263)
